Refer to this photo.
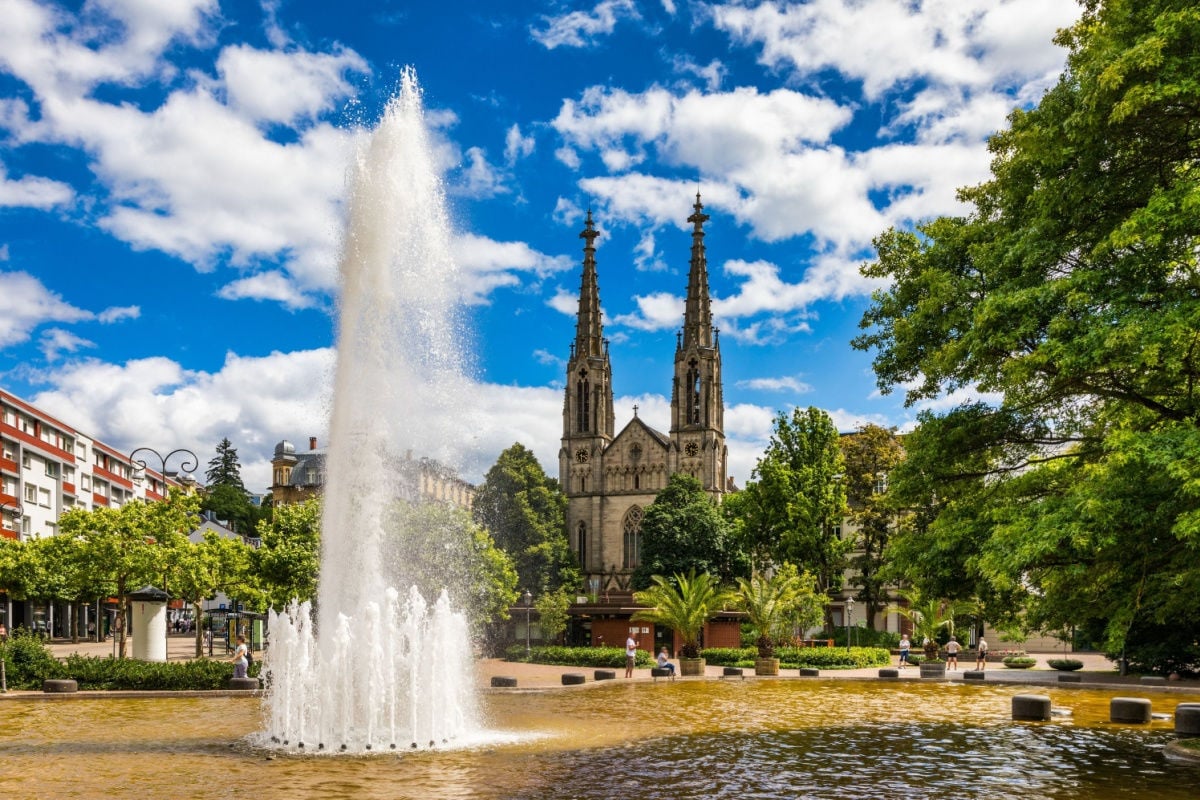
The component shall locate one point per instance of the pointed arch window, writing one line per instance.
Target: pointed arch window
(581, 544)
(633, 538)
(583, 398)
(693, 393)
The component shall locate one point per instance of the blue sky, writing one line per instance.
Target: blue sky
(172, 178)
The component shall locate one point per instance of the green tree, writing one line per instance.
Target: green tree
(224, 469)
(684, 531)
(931, 616)
(778, 604)
(287, 563)
(870, 454)
(793, 509)
(683, 604)
(552, 614)
(199, 570)
(441, 549)
(131, 546)
(1069, 292)
(525, 512)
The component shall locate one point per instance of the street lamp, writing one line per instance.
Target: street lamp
(16, 510)
(528, 603)
(849, 614)
(188, 464)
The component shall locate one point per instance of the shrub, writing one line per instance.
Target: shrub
(576, 656)
(833, 657)
(27, 661)
(1019, 662)
(866, 637)
(1065, 664)
(109, 673)
(730, 656)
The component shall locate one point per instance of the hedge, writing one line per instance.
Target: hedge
(576, 656)
(796, 657)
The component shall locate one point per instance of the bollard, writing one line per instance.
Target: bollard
(974, 675)
(1187, 719)
(1030, 707)
(733, 672)
(809, 672)
(1152, 680)
(1135, 710)
(604, 675)
(503, 682)
(1070, 677)
(889, 672)
(572, 679)
(244, 684)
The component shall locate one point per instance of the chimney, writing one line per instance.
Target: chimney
(312, 443)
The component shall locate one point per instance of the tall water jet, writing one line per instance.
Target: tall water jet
(381, 668)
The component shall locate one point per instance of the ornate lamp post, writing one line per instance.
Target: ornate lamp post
(528, 603)
(188, 464)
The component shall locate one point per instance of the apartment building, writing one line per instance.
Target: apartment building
(48, 467)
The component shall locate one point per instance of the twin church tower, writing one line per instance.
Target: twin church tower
(609, 480)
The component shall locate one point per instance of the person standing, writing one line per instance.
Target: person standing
(981, 654)
(240, 662)
(631, 648)
(952, 648)
(905, 647)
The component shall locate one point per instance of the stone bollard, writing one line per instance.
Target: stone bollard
(503, 682)
(1134, 710)
(809, 672)
(733, 672)
(243, 684)
(889, 672)
(1070, 677)
(1152, 680)
(604, 675)
(974, 675)
(64, 686)
(1187, 719)
(1030, 707)
(572, 678)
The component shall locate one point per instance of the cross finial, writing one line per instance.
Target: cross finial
(635, 408)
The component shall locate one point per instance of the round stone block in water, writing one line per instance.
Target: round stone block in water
(604, 675)
(889, 672)
(974, 675)
(1070, 677)
(733, 672)
(60, 686)
(503, 682)
(1129, 709)
(809, 672)
(1187, 719)
(572, 678)
(1030, 707)
(243, 684)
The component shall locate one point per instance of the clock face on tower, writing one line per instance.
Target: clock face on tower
(691, 448)
(581, 455)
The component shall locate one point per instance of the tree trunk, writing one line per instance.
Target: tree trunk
(197, 610)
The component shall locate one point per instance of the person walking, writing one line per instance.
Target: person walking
(631, 648)
(981, 654)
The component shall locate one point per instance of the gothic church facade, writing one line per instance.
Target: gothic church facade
(610, 478)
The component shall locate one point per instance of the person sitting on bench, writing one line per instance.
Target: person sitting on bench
(664, 662)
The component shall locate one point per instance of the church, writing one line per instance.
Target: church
(610, 478)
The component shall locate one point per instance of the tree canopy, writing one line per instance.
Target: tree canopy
(1069, 295)
(683, 531)
(870, 454)
(525, 512)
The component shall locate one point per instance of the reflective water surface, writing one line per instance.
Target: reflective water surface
(752, 739)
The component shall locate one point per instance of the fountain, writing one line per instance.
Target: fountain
(381, 668)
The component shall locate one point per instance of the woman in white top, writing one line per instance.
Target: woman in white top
(239, 658)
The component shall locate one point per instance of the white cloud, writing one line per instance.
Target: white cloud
(273, 286)
(119, 313)
(26, 303)
(564, 302)
(582, 28)
(487, 264)
(479, 179)
(286, 87)
(31, 191)
(56, 341)
(517, 146)
(655, 312)
(785, 383)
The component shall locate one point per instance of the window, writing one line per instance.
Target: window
(44, 498)
(633, 538)
(693, 393)
(26, 461)
(881, 483)
(581, 545)
(30, 493)
(85, 482)
(583, 393)
(51, 469)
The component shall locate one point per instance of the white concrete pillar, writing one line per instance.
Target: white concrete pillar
(148, 607)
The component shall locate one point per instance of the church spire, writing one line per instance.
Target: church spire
(589, 331)
(697, 314)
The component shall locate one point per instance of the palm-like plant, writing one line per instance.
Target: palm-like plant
(930, 615)
(682, 604)
(775, 605)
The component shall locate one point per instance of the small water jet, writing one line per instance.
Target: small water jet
(379, 665)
